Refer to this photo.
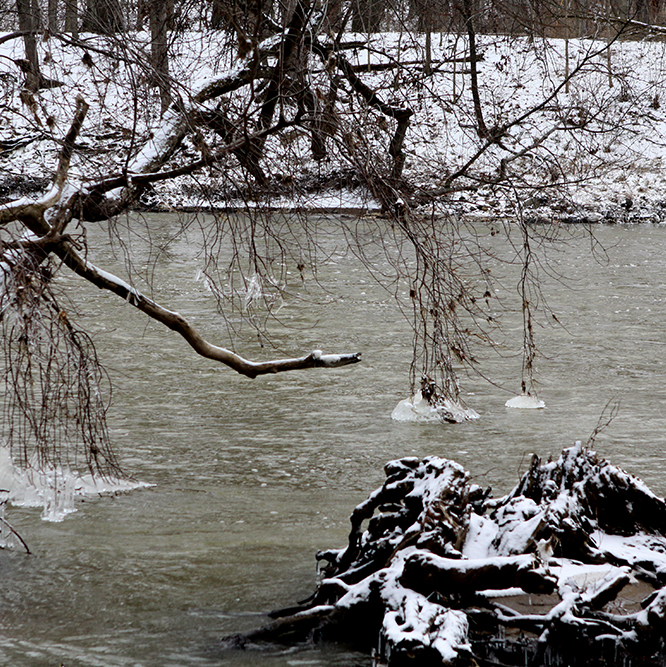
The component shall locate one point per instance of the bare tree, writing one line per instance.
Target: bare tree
(290, 93)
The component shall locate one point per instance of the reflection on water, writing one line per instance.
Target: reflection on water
(253, 476)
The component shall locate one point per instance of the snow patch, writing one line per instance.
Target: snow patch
(633, 549)
(481, 533)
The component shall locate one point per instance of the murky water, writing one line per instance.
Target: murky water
(252, 477)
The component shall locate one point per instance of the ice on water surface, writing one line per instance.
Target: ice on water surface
(418, 409)
(54, 490)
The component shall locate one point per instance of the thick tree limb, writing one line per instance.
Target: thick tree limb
(180, 325)
(35, 208)
(146, 178)
(295, 628)
(426, 572)
(177, 122)
(370, 96)
(173, 320)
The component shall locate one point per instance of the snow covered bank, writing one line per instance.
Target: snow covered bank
(598, 146)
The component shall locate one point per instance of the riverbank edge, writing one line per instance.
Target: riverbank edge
(481, 205)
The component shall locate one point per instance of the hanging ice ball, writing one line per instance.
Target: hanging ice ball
(525, 402)
(418, 409)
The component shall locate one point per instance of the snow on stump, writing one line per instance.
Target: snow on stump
(568, 568)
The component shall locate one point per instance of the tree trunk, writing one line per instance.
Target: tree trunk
(28, 22)
(36, 15)
(276, 84)
(368, 15)
(466, 11)
(159, 51)
(52, 15)
(104, 17)
(142, 13)
(72, 18)
(427, 66)
(219, 15)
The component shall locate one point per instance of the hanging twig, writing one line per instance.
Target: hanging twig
(15, 533)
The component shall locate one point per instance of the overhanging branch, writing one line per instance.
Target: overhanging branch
(180, 325)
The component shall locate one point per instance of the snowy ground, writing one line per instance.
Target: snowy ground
(596, 150)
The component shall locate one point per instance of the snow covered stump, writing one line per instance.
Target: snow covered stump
(568, 568)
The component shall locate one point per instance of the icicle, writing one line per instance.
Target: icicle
(54, 490)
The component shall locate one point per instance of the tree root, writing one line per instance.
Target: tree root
(444, 574)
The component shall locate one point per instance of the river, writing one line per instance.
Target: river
(251, 477)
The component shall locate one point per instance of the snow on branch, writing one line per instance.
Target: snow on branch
(176, 122)
(35, 208)
(176, 322)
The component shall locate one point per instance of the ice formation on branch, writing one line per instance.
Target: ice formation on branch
(55, 490)
(418, 409)
(525, 402)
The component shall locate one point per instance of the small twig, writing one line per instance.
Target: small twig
(14, 532)
(604, 422)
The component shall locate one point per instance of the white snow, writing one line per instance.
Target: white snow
(610, 168)
(517, 522)
(411, 619)
(155, 146)
(480, 535)
(634, 549)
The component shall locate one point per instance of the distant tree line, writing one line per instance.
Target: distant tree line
(549, 18)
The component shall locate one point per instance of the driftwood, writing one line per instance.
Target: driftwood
(568, 568)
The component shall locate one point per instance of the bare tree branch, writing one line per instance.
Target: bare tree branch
(35, 208)
(180, 325)
(14, 532)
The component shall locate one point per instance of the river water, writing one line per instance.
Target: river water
(251, 477)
